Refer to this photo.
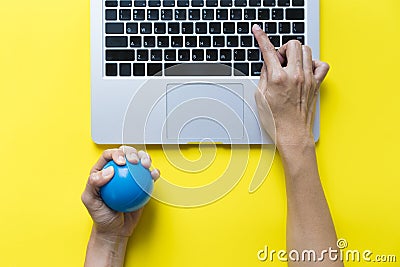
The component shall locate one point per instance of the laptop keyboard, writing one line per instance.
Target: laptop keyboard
(195, 37)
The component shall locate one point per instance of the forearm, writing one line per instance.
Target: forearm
(105, 250)
(309, 222)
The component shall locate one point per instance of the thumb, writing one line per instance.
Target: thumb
(91, 194)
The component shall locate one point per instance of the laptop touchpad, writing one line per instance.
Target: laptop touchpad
(205, 111)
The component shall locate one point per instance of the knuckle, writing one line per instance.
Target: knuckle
(85, 198)
(294, 43)
(278, 78)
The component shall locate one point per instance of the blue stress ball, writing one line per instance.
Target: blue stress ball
(129, 189)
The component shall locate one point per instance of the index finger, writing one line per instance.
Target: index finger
(267, 49)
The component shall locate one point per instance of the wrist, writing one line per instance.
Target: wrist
(107, 238)
(105, 249)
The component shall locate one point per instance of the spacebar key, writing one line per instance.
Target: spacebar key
(198, 69)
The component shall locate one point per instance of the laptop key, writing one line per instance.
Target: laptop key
(225, 3)
(125, 69)
(232, 41)
(138, 69)
(218, 41)
(229, 27)
(211, 3)
(190, 41)
(187, 27)
(241, 69)
(111, 14)
(111, 69)
(284, 27)
(154, 69)
(222, 14)
(197, 3)
(263, 14)
(260, 24)
(177, 41)
(146, 28)
(156, 55)
(152, 14)
(275, 40)
(166, 14)
(124, 14)
(173, 27)
(183, 3)
(236, 14)
(154, 3)
(242, 27)
(197, 54)
(283, 2)
(140, 3)
(249, 14)
(211, 54)
(201, 27)
(255, 3)
(135, 41)
(180, 14)
(208, 14)
(120, 55)
(269, 3)
(111, 3)
(197, 69)
(246, 41)
(298, 27)
(142, 55)
(170, 55)
(277, 14)
(116, 41)
(253, 55)
(204, 41)
(194, 14)
(295, 14)
(138, 14)
(256, 69)
(114, 28)
(215, 28)
(298, 2)
(125, 3)
(149, 41)
(132, 28)
(159, 28)
(168, 3)
(239, 55)
(225, 55)
(163, 41)
(240, 2)
(184, 55)
(270, 27)
(287, 38)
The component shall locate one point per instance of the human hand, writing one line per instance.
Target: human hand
(107, 222)
(287, 95)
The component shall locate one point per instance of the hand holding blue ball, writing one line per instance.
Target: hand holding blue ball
(129, 189)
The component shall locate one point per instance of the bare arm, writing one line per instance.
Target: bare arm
(286, 99)
(111, 230)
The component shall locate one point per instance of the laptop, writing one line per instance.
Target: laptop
(185, 71)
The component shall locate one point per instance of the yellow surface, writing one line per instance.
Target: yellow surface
(46, 149)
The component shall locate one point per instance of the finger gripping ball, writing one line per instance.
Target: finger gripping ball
(129, 189)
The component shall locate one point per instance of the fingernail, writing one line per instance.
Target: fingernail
(145, 160)
(95, 177)
(121, 159)
(256, 27)
(107, 171)
(132, 157)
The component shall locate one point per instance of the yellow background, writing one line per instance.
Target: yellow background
(46, 149)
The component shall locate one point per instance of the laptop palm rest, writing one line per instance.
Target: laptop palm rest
(202, 111)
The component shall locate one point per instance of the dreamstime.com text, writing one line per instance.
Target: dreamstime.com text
(341, 253)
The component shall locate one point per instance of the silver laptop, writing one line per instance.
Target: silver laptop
(185, 71)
